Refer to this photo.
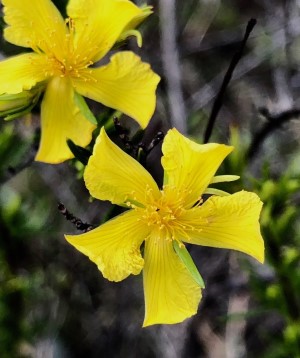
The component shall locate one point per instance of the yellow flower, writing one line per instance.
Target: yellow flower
(129, 30)
(62, 58)
(164, 219)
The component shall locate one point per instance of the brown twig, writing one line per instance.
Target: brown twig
(274, 121)
(228, 75)
(122, 133)
(80, 225)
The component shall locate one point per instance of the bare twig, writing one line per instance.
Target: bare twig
(228, 75)
(12, 171)
(237, 305)
(171, 66)
(132, 148)
(80, 225)
(274, 122)
(122, 133)
(208, 11)
(155, 141)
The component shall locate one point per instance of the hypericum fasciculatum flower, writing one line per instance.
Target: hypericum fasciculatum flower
(64, 62)
(164, 220)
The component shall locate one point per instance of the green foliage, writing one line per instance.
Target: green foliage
(188, 262)
(84, 108)
(280, 219)
(12, 148)
(280, 228)
(16, 228)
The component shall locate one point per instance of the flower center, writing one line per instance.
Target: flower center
(163, 214)
(70, 62)
(167, 215)
(69, 67)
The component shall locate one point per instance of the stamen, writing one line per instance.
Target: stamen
(165, 213)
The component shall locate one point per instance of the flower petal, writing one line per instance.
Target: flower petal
(171, 293)
(229, 222)
(22, 72)
(99, 23)
(126, 84)
(113, 175)
(114, 246)
(189, 166)
(61, 120)
(139, 18)
(36, 24)
(129, 30)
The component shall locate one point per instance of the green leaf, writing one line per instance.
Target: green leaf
(188, 262)
(80, 153)
(84, 108)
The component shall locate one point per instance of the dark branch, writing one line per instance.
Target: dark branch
(159, 136)
(12, 171)
(133, 149)
(274, 122)
(122, 133)
(228, 75)
(74, 220)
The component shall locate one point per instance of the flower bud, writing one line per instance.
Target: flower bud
(16, 105)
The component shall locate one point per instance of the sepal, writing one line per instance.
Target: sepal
(188, 262)
(79, 153)
(17, 105)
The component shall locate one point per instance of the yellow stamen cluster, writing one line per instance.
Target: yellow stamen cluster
(164, 214)
(70, 66)
(66, 62)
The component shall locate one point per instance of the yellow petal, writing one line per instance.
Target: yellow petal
(130, 33)
(22, 72)
(99, 23)
(114, 246)
(229, 222)
(61, 120)
(139, 18)
(171, 294)
(34, 23)
(135, 22)
(113, 175)
(125, 84)
(189, 166)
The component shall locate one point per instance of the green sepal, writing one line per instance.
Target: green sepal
(28, 102)
(188, 262)
(134, 33)
(224, 178)
(84, 108)
(213, 191)
(80, 153)
(17, 113)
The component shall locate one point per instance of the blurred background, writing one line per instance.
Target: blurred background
(55, 303)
